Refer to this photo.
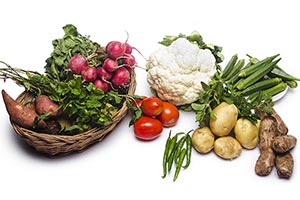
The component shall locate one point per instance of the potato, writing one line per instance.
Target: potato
(226, 117)
(227, 147)
(203, 140)
(246, 133)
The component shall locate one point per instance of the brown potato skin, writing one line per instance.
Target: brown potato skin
(20, 114)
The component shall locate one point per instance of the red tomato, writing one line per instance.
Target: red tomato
(169, 115)
(152, 106)
(147, 128)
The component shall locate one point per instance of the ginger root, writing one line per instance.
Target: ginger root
(274, 146)
(267, 133)
(284, 164)
(284, 143)
(265, 162)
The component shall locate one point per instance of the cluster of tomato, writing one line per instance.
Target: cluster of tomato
(156, 114)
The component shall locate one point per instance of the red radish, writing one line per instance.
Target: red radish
(89, 73)
(103, 74)
(121, 77)
(128, 48)
(77, 62)
(115, 49)
(101, 84)
(129, 60)
(110, 65)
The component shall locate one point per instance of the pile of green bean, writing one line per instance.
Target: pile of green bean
(177, 150)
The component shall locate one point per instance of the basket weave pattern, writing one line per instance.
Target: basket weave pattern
(64, 144)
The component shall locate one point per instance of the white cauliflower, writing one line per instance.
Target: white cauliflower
(175, 72)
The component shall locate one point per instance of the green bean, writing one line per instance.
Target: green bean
(189, 151)
(178, 167)
(165, 157)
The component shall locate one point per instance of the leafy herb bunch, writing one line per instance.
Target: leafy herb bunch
(70, 44)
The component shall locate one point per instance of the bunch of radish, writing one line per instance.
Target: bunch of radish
(113, 73)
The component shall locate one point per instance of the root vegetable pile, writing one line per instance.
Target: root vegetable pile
(275, 146)
(270, 134)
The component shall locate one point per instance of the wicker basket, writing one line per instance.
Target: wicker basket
(64, 144)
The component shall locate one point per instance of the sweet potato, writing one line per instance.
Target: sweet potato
(43, 104)
(20, 114)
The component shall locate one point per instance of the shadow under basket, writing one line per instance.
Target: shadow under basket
(64, 144)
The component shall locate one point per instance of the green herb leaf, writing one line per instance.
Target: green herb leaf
(198, 107)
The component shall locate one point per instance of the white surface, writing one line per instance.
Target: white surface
(121, 167)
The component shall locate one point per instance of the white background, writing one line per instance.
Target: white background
(122, 167)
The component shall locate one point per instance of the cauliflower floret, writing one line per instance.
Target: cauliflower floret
(176, 72)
